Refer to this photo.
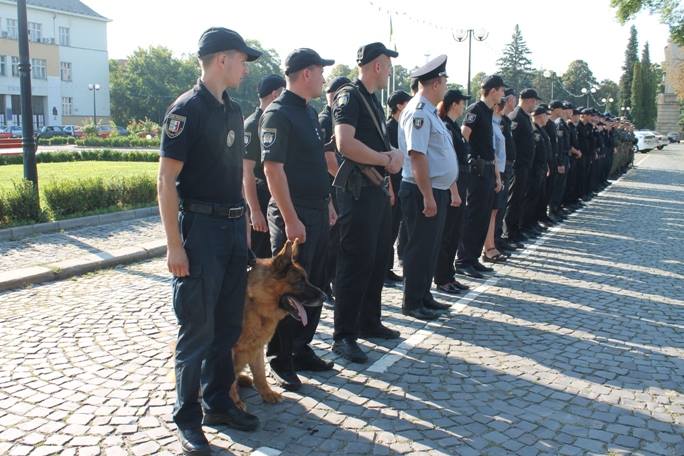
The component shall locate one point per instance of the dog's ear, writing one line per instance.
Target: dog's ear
(284, 258)
(295, 250)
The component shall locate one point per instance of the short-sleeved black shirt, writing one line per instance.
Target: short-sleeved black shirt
(542, 148)
(252, 145)
(506, 128)
(460, 144)
(325, 121)
(207, 136)
(393, 132)
(522, 128)
(290, 134)
(349, 110)
(552, 132)
(479, 119)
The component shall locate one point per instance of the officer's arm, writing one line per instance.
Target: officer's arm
(421, 173)
(466, 131)
(277, 184)
(355, 150)
(331, 163)
(249, 185)
(169, 169)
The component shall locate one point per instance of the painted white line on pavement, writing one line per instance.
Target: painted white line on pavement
(640, 162)
(265, 451)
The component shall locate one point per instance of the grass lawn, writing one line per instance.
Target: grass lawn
(51, 172)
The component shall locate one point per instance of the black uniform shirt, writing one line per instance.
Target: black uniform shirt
(325, 121)
(207, 136)
(393, 132)
(252, 145)
(574, 140)
(460, 144)
(290, 134)
(522, 136)
(507, 129)
(349, 110)
(551, 131)
(542, 148)
(563, 132)
(479, 119)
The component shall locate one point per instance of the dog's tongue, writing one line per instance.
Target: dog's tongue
(301, 311)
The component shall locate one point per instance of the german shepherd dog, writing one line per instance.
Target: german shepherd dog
(276, 287)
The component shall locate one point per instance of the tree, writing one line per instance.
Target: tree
(475, 84)
(542, 85)
(578, 76)
(671, 13)
(637, 99)
(649, 90)
(246, 95)
(630, 58)
(515, 65)
(609, 89)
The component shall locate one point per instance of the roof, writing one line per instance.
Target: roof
(67, 6)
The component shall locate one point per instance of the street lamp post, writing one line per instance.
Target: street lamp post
(588, 93)
(607, 101)
(94, 88)
(461, 35)
(29, 143)
(549, 74)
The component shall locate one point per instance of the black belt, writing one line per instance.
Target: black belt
(213, 209)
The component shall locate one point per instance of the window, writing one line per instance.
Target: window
(65, 68)
(35, 31)
(64, 38)
(3, 65)
(39, 67)
(67, 103)
(12, 28)
(15, 66)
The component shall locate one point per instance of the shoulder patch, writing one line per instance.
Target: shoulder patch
(418, 122)
(174, 125)
(471, 117)
(248, 138)
(343, 99)
(514, 125)
(230, 138)
(268, 136)
(537, 136)
(420, 105)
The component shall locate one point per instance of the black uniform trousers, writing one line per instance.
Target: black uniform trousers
(453, 229)
(571, 188)
(208, 305)
(396, 221)
(365, 226)
(332, 251)
(422, 247)
(585, 175)
(534, 195)
(508, 180)
(558, 189)
(547, 189)
(261, 242)
(478, 212)
(290, 338)
(516, 200)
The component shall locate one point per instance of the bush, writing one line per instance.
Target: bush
(142, 128)
(77, 196)
(118, 141)
(56, 141)
(21, 205)
(84, 155)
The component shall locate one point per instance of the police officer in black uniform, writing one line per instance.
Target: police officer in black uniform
(365, 211)
(572, 201)
(200, 173)
(553, 163)
(294, 164)
(478, 131)
(585, 133)
(396, 102)
(540, 169)
(505, 245)
(254, 181)
(558, 116)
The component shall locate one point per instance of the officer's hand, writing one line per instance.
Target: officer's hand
(455, 199)
(259, 222)
(429, 206)
(499, 186)
(296, 230)
(396, 163)
(332, 214)
(392, 196)
(561, 170)
(177, 261)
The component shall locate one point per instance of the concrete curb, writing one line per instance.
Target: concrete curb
(82, 265)
(20, 232)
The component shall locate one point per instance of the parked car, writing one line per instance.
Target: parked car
(104, 131)
(50, 131)
(122, 131)
(15, 131)
(73, 130)
(646, 141)
(5, 133)
(662, 140)
(673, 137)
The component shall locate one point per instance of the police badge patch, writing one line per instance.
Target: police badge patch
(230, 138)
(174, 125)
(417, 122)
(537, 136)
(343, 99)
(248, 138)
(268, 137)
(471, 117)
(514, 125)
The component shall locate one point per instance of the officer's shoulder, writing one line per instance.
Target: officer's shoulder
(187, 102)
(235, 107)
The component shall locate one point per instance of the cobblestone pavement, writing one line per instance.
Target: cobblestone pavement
(81, 242)
(577, 347)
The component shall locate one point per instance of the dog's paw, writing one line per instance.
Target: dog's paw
(271, 397)
(245, 380)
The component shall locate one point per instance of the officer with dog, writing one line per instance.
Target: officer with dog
(200, 173)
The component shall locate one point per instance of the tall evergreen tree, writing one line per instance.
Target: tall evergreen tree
(515, 65)
(637, 97)
(649, 88)
(631, 57)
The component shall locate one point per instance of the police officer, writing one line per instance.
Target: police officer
(253, 179)
(522, 129)
(559, 115)
(540, 169)
(364, 201)
(553, 165)
(397, 101)
(504, 244)
(585, 133)
(478, 131)
(295, 168)
(200, 172)
(572, 201)
(428, 181)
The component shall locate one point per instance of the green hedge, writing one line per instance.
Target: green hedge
(56, 141)
(73, 197)
(83, 155)
(118, 141)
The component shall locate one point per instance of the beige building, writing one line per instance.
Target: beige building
(668, 105)
(68, 51)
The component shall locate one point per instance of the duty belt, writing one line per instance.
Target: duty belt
(213, 209)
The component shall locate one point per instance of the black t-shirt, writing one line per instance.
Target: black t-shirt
(550, 129)
(522, 128)
(207, 136)
(460, 144)
(325, 121)
(349, 110)
(479, 119)
(252, 145)
(393, 132)
(290, 134)
(542, 148)
(506, 128)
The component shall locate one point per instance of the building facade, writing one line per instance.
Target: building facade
(668, 105)
(68, 52)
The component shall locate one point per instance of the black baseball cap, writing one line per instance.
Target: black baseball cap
(556, 104)
(398, 97)
(509, 92)
(302, 58)
(568, 105)
(270, 83)
(529, 93)
(587, 111)
(454, 96)
(217, 39)
(493, 81)
(337, 83)
(541, 109)
(370, 51)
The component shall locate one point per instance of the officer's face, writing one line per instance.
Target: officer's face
(384, 68)
(234, 66)
(316, 80)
